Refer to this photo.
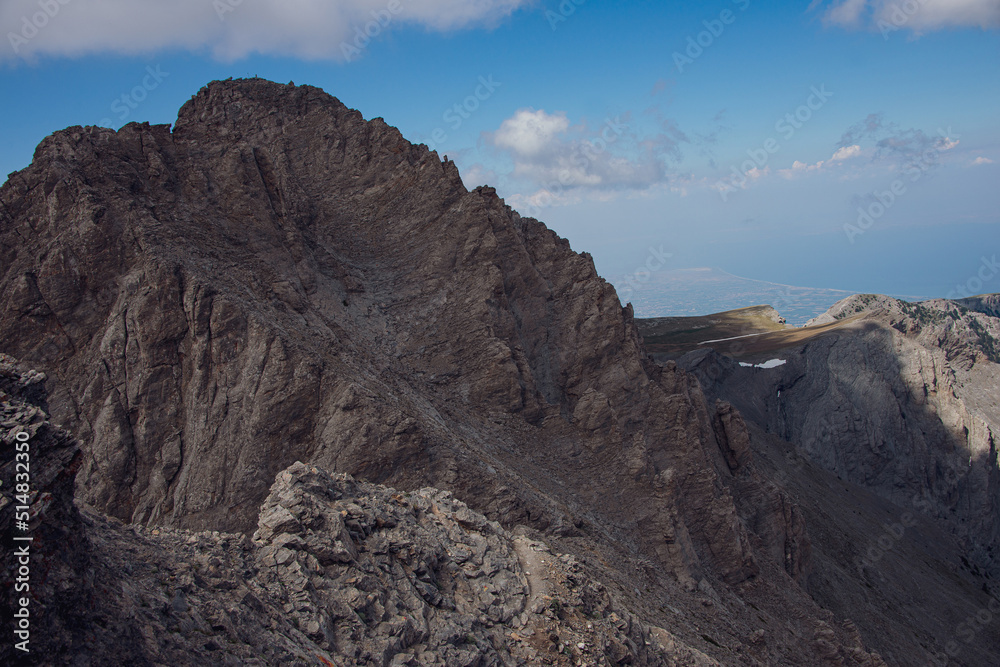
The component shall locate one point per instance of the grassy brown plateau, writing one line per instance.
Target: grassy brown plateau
(742, 333)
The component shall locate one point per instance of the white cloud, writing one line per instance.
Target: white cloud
(529, 132)
(982, 160)
(229, 29)
(476, 175)
(935, 14)
(556, 162)
(800, 168)
(917, 16)
(900, 148)
(846, 153)
(842, 154)
(847, 13)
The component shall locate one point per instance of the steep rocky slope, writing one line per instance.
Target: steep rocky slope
(900, 574)
(52, 532)
(276, 280)
(903, 400)
(337, 572)
(880, 418)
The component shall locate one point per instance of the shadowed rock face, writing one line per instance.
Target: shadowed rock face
(67, 614)
(881, 425)
(903, 400)
(54, 525)
(988, 304)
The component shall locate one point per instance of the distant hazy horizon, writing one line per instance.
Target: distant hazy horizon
(686, 292)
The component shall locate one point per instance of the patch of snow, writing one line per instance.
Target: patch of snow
(770, 363)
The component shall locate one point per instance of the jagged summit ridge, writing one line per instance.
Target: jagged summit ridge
(278, 279)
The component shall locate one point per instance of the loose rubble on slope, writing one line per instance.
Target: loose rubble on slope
(338, 572)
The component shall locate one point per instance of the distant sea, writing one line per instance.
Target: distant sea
(686, 292)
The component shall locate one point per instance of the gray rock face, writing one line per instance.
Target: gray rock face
(377, 576)
(904, 400)
(987, 304)
(370, 574)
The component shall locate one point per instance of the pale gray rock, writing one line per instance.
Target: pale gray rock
(903, 400)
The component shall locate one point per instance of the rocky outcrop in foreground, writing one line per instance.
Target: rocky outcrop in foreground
(338, 572)
(58, 575)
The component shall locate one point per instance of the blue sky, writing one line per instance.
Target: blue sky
(849, 144)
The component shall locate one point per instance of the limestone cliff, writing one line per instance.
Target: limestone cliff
(903, 400)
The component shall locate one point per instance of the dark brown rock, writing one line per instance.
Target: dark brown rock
(731, 431)
(340, 572)
(277, 279)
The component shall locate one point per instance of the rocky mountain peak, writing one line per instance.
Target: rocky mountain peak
(277, 319)
(278, 279)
